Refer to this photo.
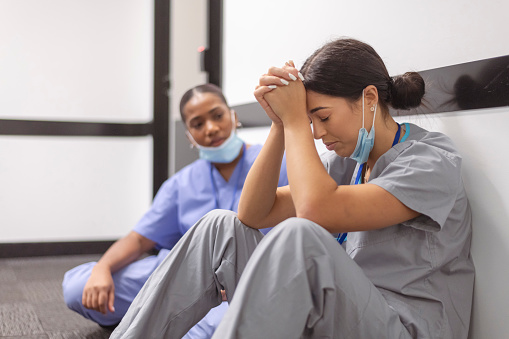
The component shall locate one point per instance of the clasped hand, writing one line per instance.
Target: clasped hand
(281, 94)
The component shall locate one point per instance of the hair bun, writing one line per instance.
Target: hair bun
(407, 91)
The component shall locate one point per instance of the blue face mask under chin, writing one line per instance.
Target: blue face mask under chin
(224, 153)
(365, 141)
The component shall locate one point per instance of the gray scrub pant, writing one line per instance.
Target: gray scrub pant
(298, 283)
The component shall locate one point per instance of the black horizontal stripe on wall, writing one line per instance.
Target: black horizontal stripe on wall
(71, 128)
(461, 87)
(472, 85)
(13, 250)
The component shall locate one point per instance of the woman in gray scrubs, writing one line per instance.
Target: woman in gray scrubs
(405, 270)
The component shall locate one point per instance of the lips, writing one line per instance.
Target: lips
(330, 145)
(216, 142)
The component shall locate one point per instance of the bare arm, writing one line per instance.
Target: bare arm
(318, 198)
(262, 204)
(315, 195)
(98, 293)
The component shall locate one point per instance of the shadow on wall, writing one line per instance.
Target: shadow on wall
(489, 89)
(471, 85)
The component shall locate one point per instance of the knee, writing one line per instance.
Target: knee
(299, 228)
(72, 287)
(72, 293)
(218, 219)
(224, 222)
(220, 214)
(297, 225)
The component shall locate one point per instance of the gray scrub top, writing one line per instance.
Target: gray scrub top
(422, 266)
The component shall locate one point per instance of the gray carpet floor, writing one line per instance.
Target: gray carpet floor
(31, 301)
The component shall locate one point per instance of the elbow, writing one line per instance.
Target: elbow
(327, 216)
(243, 215)
(309, 211)
(249, 221)
(246, 218)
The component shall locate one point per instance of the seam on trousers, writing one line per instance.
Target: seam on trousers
(229, 262)
(184, 310)
(361, 316)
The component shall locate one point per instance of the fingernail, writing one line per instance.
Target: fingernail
(301, 76)
(113, 308)
(284, 82)
(272, 86)
(293, 77)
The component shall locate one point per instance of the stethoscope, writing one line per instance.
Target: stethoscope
(342, 236)
(237, 183)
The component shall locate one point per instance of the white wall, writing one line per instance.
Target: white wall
(479, 136)
(81, 60)
(84, 60)
(409, 35)
(188, 33)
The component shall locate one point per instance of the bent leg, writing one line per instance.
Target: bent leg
(128, 282)
(300, 283)
(209, 257)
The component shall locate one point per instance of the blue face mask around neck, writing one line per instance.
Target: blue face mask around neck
(365, 140)
(224, 153)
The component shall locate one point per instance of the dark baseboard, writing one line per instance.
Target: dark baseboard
(14, 250)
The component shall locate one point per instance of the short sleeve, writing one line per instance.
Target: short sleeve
(339, 168)
(424, 177)
(160, 223)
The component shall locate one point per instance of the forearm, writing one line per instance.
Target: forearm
(124, 251)
(259, 193)
(309, 182)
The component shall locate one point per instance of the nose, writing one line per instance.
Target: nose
(211, 128)
(318, 131)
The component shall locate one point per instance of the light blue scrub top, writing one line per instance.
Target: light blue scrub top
(188, 195)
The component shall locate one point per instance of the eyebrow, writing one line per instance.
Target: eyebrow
(212, 111)
(316, 109)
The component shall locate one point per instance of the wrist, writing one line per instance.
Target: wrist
(296, 121)
(277, 126)
(102, 267)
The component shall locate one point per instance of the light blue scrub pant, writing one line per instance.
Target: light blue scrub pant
(128, 282)
(297, 283)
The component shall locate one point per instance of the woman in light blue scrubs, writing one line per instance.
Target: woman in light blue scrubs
(405, 270)
(103, 291)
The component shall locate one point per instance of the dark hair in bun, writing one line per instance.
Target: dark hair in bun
(344, 67)
(407, 91)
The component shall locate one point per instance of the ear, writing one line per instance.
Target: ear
(237, 122)
(370, 96)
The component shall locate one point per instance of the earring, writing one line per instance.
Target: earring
(239, 124)
(191, 146)
(372, 108)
